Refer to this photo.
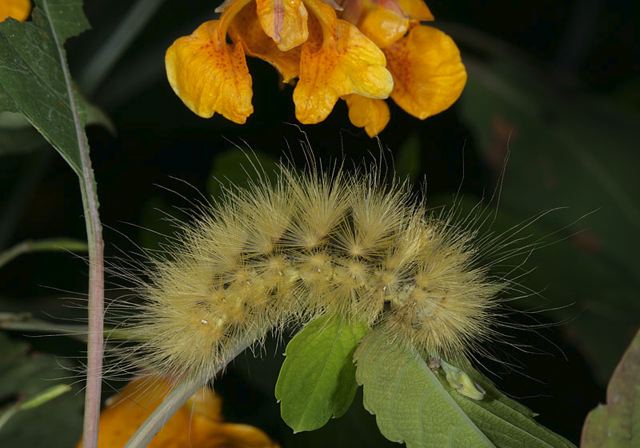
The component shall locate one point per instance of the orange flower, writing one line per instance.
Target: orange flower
(427, 70)
(16, 9)
(198, 424)
(368, 51)
(370, 114)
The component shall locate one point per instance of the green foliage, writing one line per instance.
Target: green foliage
(317, 379)
(409, 402)
(408, 158)
(35, 79)
(575, 152)
(417, 406)
(355, 429)
(48, 245)
(236, 168)
(506, 422)
(29, 390)
(617, 424)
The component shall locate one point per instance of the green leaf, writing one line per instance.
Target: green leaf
(409, 401)
(18, 136)
(355, 429)
(415, 405)
(317, 379)
(6, 103)
(565, 151)
(41, 413)
(35, 77)
(617, 424)
(506, 422)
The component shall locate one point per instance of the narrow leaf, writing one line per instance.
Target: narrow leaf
(317, 379)
(48, 245)
(45, 396)
(617, 424)
(36, 410)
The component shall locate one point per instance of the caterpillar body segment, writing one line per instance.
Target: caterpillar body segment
(281, 253)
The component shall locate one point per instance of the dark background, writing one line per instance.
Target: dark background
(553, 100)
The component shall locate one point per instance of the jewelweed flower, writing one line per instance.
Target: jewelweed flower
(361, 51)
(427, 70)
(15, 9)
(197, 424)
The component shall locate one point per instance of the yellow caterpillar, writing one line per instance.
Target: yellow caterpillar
(308, 244)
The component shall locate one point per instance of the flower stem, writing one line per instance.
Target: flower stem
(172, 402)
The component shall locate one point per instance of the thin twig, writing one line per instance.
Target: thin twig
(172, 402)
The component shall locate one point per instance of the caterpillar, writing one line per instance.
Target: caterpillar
(320, 242)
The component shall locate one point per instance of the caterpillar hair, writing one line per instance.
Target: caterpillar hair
(321, 242)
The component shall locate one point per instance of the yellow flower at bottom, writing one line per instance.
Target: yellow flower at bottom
(427, 70)
(368, 113)
(16, 9)
(210, 75)
(336, 60)
(198, 424)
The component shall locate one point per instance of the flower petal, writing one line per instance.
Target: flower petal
(368, 113)
(427, 71)
(210, 75)
(336, 60)
(230, 435)
(284, 21)
(415, 9)
(245, 29)
(196, 424)
(16, 9)
(383, 26)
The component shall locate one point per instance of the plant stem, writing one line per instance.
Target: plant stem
(162, 413)
(95, 344)
(172, 402)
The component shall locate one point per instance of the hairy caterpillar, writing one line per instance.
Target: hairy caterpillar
(320, 242)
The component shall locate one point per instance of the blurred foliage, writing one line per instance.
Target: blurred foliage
(23, 376)
(616, 424)
(565, 151)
